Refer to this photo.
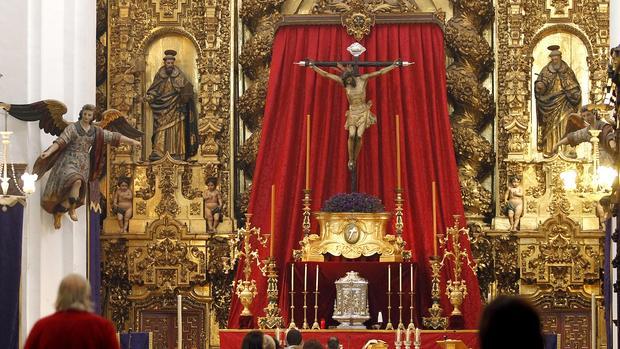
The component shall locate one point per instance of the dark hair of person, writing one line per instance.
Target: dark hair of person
(510, 323)
(88, 107)
(122, 180)
(253, 340)
(313, 344)
(212, 180)
(293, 337)
(333, 343)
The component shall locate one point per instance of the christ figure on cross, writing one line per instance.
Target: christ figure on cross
(359, 116)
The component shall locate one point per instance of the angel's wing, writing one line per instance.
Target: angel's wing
(574, 122)
(113, 120)
(48, 112)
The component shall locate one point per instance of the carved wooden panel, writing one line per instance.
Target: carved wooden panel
(163, 324)
(573, 326)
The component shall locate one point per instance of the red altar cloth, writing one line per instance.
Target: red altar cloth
(374, 272)
(355, 339)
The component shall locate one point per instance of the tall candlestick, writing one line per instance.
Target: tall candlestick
(417, 335)
(398, 179)
(273, 218)
(434, 219)
(316, 285)
(593, 318)
(408, 335)
(308, 152)
(180, 321)
(400, 277)
(389, 278)
(398, 336)
(292, 277)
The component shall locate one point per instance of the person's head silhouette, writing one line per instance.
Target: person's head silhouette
(510, 322)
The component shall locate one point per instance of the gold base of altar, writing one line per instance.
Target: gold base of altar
(352, 235)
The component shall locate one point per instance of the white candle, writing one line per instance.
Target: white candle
(408, 335)
(398, 335)
(411, 277)
(180, 321)
(380, 318)
(316, 286)
(305, 277)
(400, 277)
(292, 277)
(389, 278)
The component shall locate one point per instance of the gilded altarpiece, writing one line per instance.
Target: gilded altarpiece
(558, 246)
(167, 250)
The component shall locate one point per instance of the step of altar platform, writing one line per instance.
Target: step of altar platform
(355, 339)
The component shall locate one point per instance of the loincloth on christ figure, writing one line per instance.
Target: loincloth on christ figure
(360, 116)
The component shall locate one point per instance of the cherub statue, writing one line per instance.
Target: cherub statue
(77, 156)
(213, 204)
(122, 204)
(513, 201)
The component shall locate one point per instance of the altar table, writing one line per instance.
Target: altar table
(355, 339)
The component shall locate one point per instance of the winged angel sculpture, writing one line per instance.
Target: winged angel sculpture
(76, 158)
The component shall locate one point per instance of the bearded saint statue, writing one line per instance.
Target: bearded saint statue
(558, 95)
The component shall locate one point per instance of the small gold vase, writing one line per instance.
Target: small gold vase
(456, 292)
(246, 290)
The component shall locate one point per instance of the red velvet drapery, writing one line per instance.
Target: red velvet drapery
(417, 93)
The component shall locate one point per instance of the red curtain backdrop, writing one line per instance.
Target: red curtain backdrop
(417, 93)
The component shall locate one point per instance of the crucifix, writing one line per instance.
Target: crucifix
(359, 116)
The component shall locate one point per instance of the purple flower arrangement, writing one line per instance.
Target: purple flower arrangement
(353, 202)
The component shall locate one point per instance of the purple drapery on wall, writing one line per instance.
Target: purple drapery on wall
(11, 224)
(94, 257)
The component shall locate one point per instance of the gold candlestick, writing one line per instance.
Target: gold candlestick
(411, 325)
(435, 321)
(292, 324)
(273, 319)
(246, 288)
(401, 325)
(305, 293)
(389, 325)
(398, 212)
(306, 212)
(456, 289)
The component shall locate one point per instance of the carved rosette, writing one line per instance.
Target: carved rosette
(473, 104)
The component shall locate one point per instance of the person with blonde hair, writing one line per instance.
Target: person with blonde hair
(73, 325)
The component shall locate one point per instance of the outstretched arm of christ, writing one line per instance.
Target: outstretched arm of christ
(325, 74)
(380, 72)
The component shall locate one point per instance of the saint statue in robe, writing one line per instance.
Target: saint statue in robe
(558, 95)
(175, 119)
